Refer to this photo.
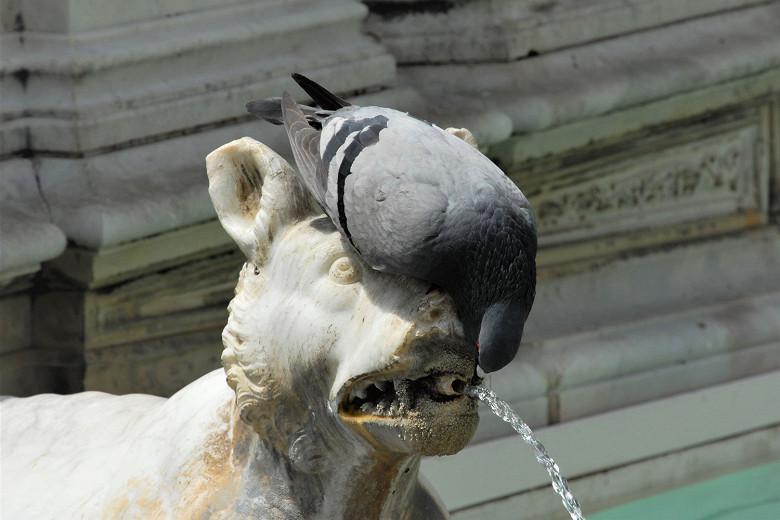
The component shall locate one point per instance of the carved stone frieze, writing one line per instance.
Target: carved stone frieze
(694, 179)
(701, 178)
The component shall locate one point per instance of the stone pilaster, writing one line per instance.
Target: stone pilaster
(109, 110)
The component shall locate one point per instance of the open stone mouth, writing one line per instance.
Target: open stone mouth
(393, 397)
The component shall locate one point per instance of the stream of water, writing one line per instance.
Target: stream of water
(501, 409)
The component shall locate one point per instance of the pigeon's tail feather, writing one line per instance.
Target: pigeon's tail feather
(322, 96)
(305, 144)
(271, 110)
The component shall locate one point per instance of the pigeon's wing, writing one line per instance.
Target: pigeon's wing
(395, 221)
(269, 109)
(392, 193)
(305, 144)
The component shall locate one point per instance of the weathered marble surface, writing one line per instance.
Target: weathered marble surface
(340, 379)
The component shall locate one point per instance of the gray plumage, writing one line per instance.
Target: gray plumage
(414, 199)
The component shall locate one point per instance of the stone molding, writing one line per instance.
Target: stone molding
(703, 173)
(71, 16)
(468, 31)
(110, 265)
(698, 178)
(162, 325)
(602, 77)
(86, 92)
(28, 238)
(652, 326)
(692, 436)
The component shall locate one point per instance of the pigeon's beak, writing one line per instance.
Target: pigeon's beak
(500, 335)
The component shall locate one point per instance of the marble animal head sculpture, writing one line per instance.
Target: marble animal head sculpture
(333, 362)
(339, 379)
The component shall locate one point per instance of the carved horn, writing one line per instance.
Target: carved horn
(256, 193)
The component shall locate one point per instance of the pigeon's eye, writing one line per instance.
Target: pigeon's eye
(345, 271)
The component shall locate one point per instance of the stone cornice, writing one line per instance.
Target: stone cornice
(470, 31)
(74, 94)
(597, 78)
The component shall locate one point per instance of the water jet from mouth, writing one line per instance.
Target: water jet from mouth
(502, 410)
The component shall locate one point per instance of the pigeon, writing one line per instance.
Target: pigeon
(414, 199)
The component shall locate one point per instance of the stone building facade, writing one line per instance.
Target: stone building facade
(645, 134)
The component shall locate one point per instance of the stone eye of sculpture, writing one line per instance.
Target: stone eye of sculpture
(339, 377)
(345, 271)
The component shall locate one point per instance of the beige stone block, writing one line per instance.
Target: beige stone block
(506, 467)
(167, 76)
(160, 367)
(35, 371)
(15, 322)
(159, 302)
(59, 320)
(69, 16)
(112, 264)
(633, 481)
(503, 30)
(188, 298)
(584, 401)
(154, 333)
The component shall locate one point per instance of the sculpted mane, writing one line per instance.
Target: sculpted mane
(286, 421)
(245, 362)
(264, 205)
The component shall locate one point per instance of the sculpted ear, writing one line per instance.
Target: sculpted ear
(464, 134)
(256, 193)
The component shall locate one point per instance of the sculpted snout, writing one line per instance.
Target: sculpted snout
(410, 399)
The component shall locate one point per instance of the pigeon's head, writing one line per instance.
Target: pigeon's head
(495, 286)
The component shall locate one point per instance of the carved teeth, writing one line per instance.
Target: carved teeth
(389, 398)
(369, 389)
(384, 386)
(361, 390)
